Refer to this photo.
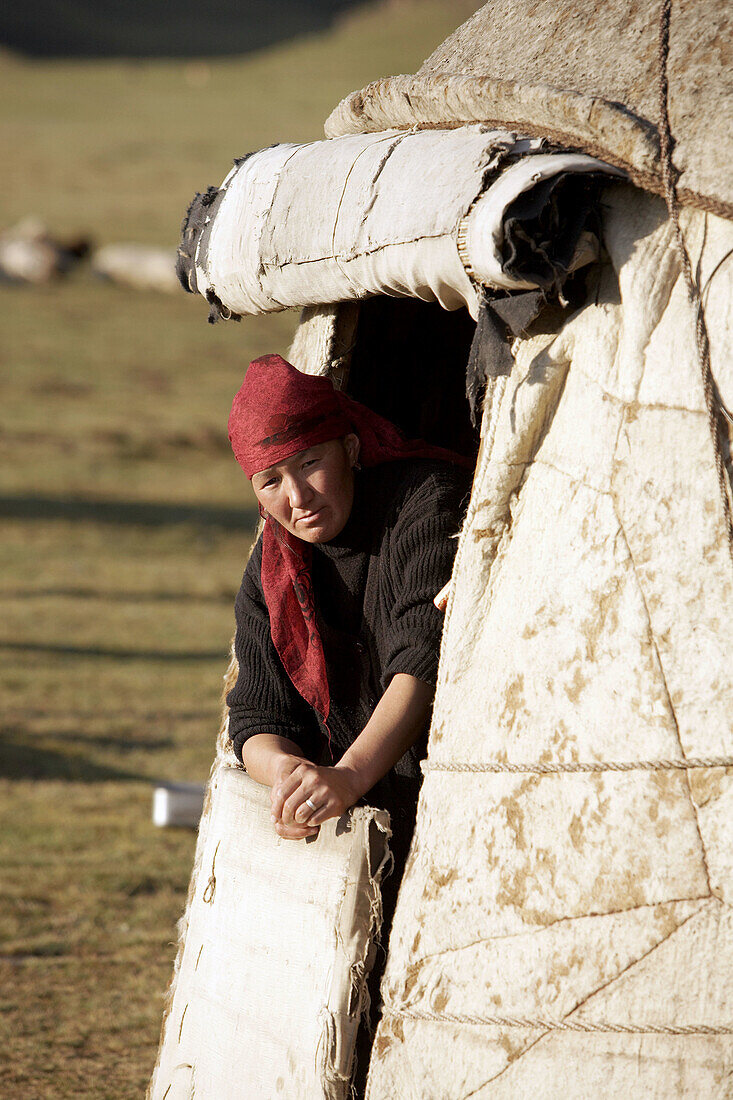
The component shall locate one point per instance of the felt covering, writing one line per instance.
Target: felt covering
(564, 925)
(390, 219)
(271, 983)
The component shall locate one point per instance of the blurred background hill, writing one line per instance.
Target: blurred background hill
(160, 28)
(124, 521)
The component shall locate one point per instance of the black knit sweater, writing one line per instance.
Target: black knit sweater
(374, 587)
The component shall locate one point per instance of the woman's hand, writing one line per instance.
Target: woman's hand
(441, 600)
(300, 785)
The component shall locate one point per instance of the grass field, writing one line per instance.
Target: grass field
(125, 525)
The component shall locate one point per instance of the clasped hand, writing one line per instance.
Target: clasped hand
(331, 790)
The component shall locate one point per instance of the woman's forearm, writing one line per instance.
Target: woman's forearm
(264, 755)
(398, 720)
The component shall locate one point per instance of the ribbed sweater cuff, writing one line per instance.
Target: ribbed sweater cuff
(420, 663)
(242, 727)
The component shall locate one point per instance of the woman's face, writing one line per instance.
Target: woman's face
(311, 494)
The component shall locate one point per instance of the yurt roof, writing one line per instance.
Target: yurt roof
(586, 75)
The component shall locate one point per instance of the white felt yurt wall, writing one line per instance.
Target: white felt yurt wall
(270, 986)
(564, 928)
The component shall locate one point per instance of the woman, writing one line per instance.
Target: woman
(337, 634)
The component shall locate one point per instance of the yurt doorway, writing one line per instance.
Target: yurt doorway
(408, 363)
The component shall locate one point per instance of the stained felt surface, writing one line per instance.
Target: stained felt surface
(590, 624)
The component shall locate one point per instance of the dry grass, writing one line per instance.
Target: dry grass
(117, 137)
(125, 527)
(90, 894)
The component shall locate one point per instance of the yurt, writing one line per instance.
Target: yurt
(525, 248)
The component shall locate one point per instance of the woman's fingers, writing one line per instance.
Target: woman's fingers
(324, 813)
(441, 600)
(283, 790)
(291, 793)
(295, 808)
(307, 809)
(295, 832)
(311, 795)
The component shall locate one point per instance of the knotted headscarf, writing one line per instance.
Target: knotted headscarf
(278, 412)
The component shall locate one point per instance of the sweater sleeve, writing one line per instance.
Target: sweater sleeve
(423, 546)
(263, 700)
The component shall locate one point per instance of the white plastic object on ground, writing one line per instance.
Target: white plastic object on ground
(178, 804)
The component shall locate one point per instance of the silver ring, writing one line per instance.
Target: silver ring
(311, 804)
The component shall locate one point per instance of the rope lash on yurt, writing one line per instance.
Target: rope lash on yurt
(713, 402)
(540, 1023)
(580, 766)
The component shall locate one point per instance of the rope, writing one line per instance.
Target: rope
(580, 766)
(210, 888)
(669, 179)
(558, 1025)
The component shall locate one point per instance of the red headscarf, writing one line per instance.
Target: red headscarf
(278, 412)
